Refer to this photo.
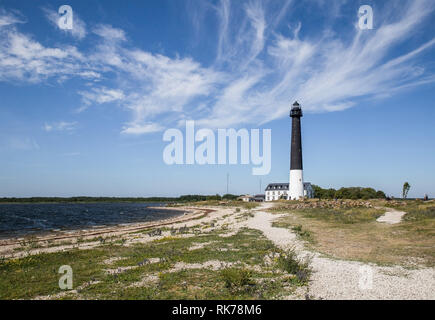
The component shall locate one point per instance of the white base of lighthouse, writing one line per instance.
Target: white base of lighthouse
(296, 188)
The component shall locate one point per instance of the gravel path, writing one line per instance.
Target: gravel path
(340, 279)
(392, 216)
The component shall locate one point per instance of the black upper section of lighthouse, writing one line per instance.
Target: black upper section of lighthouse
(296, 147)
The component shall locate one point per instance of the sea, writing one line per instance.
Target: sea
(34, 219)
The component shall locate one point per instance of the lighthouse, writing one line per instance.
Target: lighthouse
(296, 187)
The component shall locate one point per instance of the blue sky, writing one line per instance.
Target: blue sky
(83, 111)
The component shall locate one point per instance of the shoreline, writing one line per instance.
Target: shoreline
(32, 233)
(87, 202)
(187, 214)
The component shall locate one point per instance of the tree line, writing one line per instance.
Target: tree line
(342, 193)
(353, 193)
(184, 198)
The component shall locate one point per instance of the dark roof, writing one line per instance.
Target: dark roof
(296, 104)
(282, 186)
(277, 186)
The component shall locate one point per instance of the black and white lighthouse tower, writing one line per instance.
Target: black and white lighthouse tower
(296, 187)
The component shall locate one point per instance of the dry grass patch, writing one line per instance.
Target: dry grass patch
(354, 234)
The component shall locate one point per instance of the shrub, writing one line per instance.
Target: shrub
(289, 262)
(235, 278)
(297, 228)
(304, 234)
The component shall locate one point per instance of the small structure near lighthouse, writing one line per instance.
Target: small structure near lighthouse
(296, 189)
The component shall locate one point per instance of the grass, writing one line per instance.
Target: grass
(417, 210)
(289, 262)
(354, 234)
(345, 215)
(38, 275)
(303, 234)
(237, 279)
(248, 277)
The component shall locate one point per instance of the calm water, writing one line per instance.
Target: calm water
(21, 219)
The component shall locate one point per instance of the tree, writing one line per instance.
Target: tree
(324, 193)
(318, 192)
(406, 187)
(348, 193)
(380, 195)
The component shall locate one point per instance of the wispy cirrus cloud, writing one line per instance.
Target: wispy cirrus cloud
(60, 126)
(110, 33)
(143, 128)
(99, 95)
(258, 67)
(9, 18)
(326, 73)
(22, 58)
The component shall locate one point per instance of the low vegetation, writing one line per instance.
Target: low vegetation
(237, 279)
(346, 212)
(347, 232)
(166, 268)
(300, 269)
(415, 209)
(302, 233)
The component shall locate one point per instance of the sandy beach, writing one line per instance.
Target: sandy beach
(54, 241)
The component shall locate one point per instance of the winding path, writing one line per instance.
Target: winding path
(392, 216)
(341, 279)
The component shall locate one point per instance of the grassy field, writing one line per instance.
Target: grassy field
(353, 233)
(168, 268)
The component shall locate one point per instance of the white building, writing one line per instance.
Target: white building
(246, 198)
(276, 191)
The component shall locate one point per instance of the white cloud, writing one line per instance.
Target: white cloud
(25, 59)
(153, 84)
(325, 73)
(101, 95)
(255, 13)
(60, 126)
(138, 129)
(8, 18)
(257, 72)
(223, 12)
(110, 33)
